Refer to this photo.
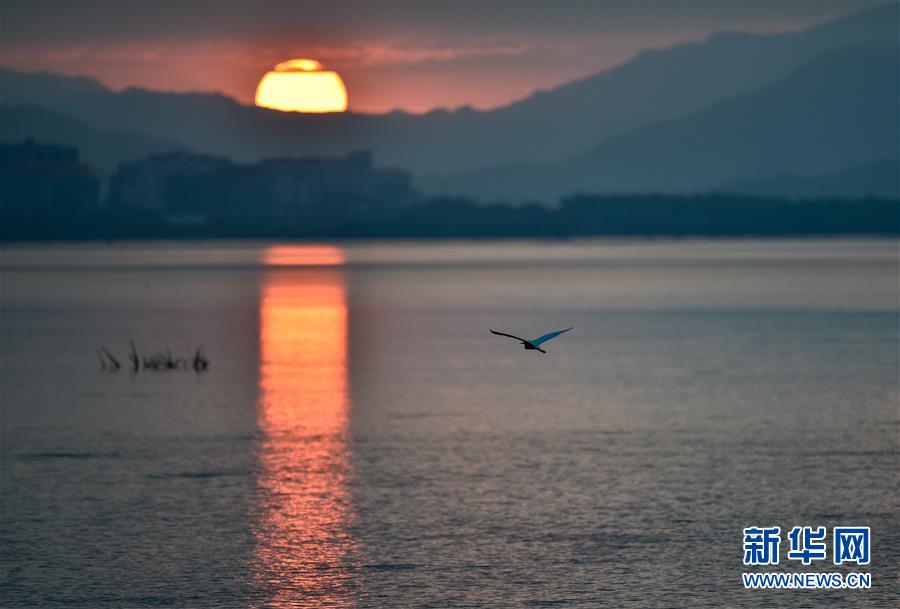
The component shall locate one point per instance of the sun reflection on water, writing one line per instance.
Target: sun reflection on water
(303, 255)
(303, 542)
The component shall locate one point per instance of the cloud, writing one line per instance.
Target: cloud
(388, 54)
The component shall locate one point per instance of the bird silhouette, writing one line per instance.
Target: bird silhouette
(535, 343)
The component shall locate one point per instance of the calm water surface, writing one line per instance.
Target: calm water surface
(361, 440)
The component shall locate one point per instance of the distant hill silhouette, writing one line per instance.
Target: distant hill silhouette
(879, 180)
(839, 110)
(43, 88)
(673, 82)
(546, 127)
(103, 150)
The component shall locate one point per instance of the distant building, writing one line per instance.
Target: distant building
(316, 188)
(39, 179)
(305, 191)
(144, 184)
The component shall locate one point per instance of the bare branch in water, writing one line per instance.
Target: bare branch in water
(112, 358)
(161, 360)
(200, 362)
(133, 356)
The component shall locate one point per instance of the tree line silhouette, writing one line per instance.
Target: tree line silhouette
(582, 215)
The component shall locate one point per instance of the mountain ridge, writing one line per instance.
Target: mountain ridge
(880, 179)
(103, 150)
(545, 127)
(765, 132)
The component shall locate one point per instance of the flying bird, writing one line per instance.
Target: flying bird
(535, 343)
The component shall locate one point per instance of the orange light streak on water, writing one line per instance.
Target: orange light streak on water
(303, 542)
(303, 255)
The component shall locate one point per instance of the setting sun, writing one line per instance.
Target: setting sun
(302, 85)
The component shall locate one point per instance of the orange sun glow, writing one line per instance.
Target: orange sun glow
(302, 85)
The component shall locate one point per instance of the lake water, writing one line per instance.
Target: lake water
(362, 440)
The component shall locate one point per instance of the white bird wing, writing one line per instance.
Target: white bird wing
(549, 336)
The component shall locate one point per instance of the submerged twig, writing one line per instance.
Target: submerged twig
(112, 358)
(161, 360)
(200, 362)
(133, 356)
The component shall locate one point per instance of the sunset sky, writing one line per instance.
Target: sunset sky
(410, 56)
